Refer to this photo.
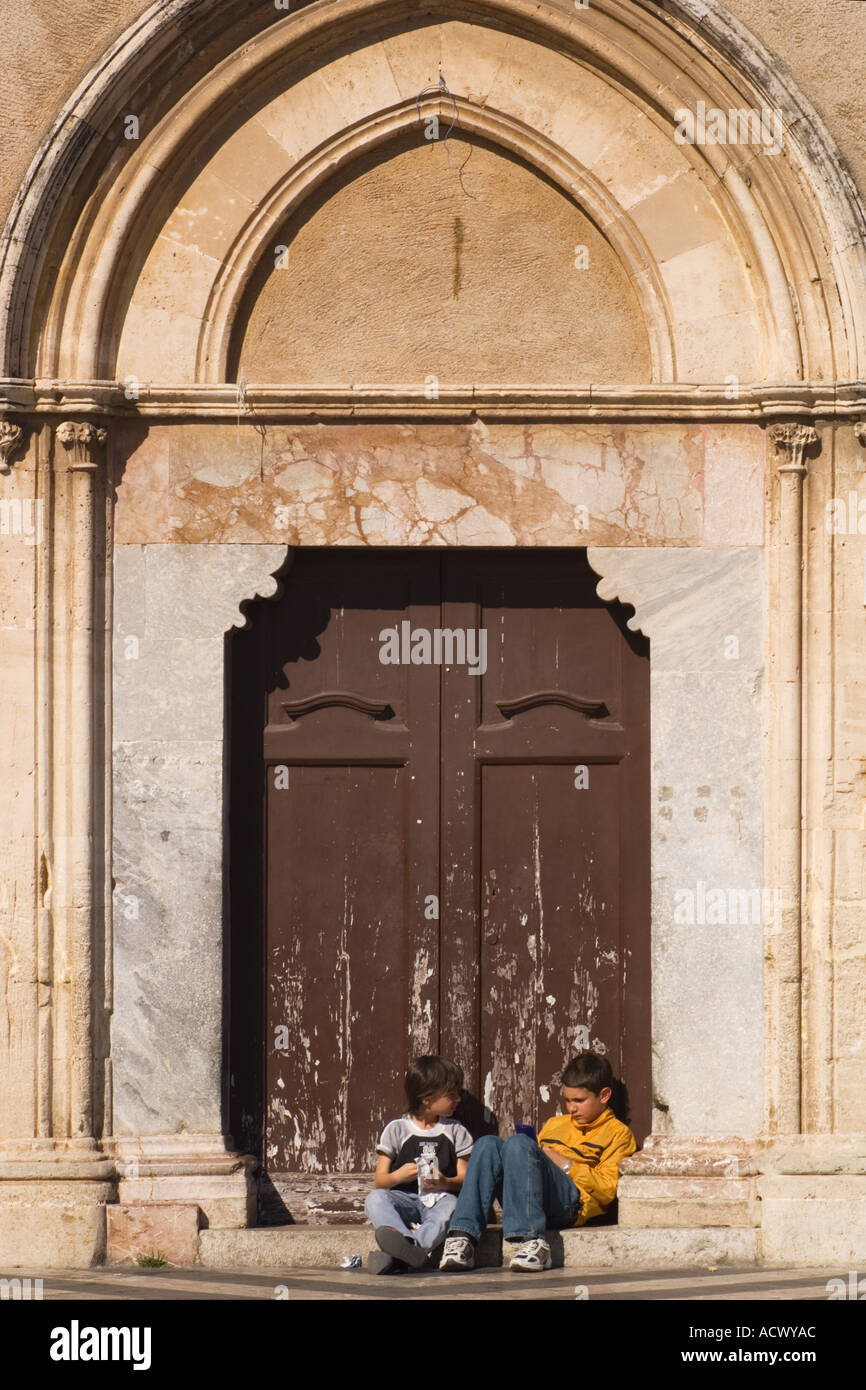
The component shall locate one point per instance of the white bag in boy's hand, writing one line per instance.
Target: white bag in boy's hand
(427, 1169)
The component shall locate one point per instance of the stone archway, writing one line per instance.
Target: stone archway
(578, 123)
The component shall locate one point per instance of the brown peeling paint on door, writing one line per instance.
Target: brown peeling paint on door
(453, 861)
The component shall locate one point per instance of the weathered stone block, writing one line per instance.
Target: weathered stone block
(815, 1221)
(52, 1225)
(223, 1201)
(167, 1229)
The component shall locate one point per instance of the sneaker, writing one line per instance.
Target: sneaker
(533, 1255)
(459, 1253)
(380, 1263)
(400, 1247)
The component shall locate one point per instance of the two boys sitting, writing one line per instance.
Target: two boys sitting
(430, 1174)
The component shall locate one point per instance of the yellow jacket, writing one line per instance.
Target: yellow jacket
(596, 1150)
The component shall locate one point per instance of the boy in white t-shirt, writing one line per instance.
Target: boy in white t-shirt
(422, 1160)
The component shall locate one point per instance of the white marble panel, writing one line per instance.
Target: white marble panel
(703, 613)
(176, 603)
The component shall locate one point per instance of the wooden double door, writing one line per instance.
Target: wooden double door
(454, 775)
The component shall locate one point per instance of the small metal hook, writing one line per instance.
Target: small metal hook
(432, 87)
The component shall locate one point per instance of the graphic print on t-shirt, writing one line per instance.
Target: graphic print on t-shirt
(437, 1149)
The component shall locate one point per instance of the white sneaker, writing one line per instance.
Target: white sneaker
(533, 1255)
(459, 1253)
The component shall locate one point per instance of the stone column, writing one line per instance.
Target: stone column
(55, 1182)
(783, 944)
(19, 558)
(84, 448)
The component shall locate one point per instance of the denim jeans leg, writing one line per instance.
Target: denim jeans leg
(536, 1194)
(434, 1222)
(483, 1183)
(388, 1208)
(522, 1189)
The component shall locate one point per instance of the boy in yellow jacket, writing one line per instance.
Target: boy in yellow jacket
(567, 1177)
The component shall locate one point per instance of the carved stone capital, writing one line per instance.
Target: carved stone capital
(790, 443)
(83, 443)
(11, 438)
(860, 432)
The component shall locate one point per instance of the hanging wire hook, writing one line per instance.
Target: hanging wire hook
(242, 402)
(246, 407)
(441, 85)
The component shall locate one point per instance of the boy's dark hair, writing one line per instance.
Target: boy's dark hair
(430, 1076)
(593, 1073)
(588, 1070)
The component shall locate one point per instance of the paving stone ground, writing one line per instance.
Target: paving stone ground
(702, 1285)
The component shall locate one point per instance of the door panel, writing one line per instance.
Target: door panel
(551, 952)
(351, 767)
(341, 947)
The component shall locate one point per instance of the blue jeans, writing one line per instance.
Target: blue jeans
(535, 1194)
(389, 1208)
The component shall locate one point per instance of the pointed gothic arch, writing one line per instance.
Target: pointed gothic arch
(785, 236)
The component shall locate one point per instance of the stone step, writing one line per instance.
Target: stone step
(300, 1247)
(606, 1247)
(683, 1247)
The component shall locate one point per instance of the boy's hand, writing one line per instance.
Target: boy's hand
(557, 1158)
(407, 1173)
(437, 1183)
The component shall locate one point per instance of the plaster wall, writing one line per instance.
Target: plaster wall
(495, 274)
